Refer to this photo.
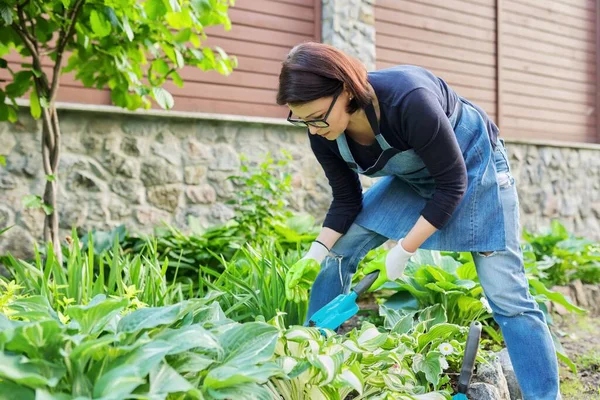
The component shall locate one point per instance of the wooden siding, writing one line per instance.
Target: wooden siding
(549, 71)
(262, 33)
(535, 72)
(454, 39)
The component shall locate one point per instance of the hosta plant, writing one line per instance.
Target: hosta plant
(406, 361)
(109, 350)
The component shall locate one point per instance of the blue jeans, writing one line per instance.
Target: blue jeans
(502, 276)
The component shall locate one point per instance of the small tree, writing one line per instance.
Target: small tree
(132, 47)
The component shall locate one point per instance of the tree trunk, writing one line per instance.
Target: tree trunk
(50, 158)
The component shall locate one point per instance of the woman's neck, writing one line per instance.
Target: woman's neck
(359, 127)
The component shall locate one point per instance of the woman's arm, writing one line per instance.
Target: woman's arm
(328, 237)
(418, 234)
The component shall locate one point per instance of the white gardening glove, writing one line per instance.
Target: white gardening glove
(317, 252)
(396, 261)
(389, 269)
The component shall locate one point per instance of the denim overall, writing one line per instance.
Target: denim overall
(391, 206)
(486, 223)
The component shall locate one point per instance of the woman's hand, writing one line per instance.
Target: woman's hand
(390, 265)
(303, 273)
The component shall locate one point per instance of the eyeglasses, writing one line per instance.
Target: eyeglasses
(319, 122)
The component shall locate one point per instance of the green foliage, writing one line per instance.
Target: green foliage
(140, 278)
(557, 257)
(107, 351)
(131, 47)
(260, 216)
(253, 283)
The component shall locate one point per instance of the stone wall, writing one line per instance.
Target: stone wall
(349, 25)
(137, 169)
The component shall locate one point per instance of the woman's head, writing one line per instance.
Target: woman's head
(316, 78)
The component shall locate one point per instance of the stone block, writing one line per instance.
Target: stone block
(483, 391)
(204, 194)
(194, 174)
(492, 374)
(509, 374)
(165, 197)
(158, 172)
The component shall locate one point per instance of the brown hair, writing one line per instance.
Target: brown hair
(314, 70)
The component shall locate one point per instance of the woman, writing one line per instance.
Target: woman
(446, 185)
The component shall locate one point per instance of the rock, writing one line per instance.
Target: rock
(7, 182)
(204, 194)
(492, 374)
(91, 143)
(165, 197)
(223, 186)
(168, 147)
(226, 158)
(130, 146)
(6, 217)
(579, 293)
(483, 391)
(73, 213)
(197, 152)
(593, 296)
(129, 189)
(18, 242)
(149, 217)
(84, 182)
(193, 174)
(509, 374)
(33, 220)
(158, 172)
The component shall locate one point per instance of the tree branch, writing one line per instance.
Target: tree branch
(63, 39)
(23, 26)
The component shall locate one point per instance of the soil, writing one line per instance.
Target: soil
(580, 338)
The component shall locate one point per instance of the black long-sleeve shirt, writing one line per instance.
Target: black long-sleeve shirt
(414, 109)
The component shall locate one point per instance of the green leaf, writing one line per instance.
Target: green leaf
(439, 332)
(11, 391)
(34, 307)
(164, 380)
(252, 342)
(48, 209)
(100, 25)
(179, 20)
(155, 9)
(2, 158)
(231, 375)
(127, 28)
(21, 83)
(21, 370)
(430, 365)
(93, 317)
(119, 382)
(163, 98)
(191, 337)
(6, 13)
(66, 3)
(252, 391)
(151, 317)
(176, 78)
(160, 66)
(32, 201)
(50, 178)
(35, 338)
(4, 111)
(556, 297)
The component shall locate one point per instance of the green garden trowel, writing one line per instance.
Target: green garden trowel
(343, 307)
